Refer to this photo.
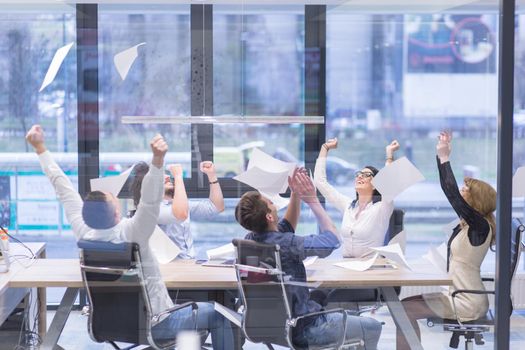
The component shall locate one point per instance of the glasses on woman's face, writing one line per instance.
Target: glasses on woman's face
(365, 174)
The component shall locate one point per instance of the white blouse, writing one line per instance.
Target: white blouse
(359, 233)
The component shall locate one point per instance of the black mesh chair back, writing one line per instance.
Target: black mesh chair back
(395, 225)
(265, 309)
(119, 306)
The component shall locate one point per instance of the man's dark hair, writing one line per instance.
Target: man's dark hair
(251, 212)
(139, 171)
(97, 212)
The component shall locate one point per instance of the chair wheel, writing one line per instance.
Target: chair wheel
(430, 323)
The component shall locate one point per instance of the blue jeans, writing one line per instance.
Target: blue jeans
(207, 320)
(328, 329)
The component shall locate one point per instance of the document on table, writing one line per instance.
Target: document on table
(56, 62)
(226, 251)
(393, 253)
(358, 265)
(396, 177)
(111, 184)
(518, 183)
(438, 257)
(163, 248)
(125, 59)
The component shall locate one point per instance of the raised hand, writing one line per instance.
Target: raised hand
(159, 147)
(443, 147)
(331, 143)
(301, 184)
(391, 148)
(208, 168)
(35, 137)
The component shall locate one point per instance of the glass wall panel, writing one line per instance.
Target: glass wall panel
(157, 82)
(30, 37)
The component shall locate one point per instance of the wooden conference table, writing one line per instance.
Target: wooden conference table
(185, 274)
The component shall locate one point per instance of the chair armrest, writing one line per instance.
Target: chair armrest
(259, 269)
(106, 270)
(487, 279)
(470, 291)
(193, 305)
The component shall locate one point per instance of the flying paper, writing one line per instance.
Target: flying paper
(358, 265)
(518, 183)
(438, 257)
(124, 60)
(265, 181)
(309, 260)
(111, 184)
(56, 62)
(401, 239)
(270, 164)
(393, 253)
(396, 177)
(163, 248)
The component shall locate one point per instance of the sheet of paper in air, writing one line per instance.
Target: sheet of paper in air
(263, 180)
(124, 60)
(231, 315)
(438, 257)
(278, 201)
(270, 164)
(358, 265)
(401, 239)
(56, 62)
(309, 260)
(396, 177)
(163, 248)
(223, 252)
(518, 183)
(111, 184)
(448, 228)
(393, 253)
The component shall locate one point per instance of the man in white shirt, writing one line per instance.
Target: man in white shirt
(176, 210)
(98, 218)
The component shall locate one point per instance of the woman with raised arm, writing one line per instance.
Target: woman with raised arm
(474, 203)
(366, 218)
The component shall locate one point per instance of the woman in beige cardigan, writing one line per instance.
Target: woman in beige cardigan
(474, 204)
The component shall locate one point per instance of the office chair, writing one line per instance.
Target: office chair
(267, 316)
(473, 330)
(368, 299)
(120, 308)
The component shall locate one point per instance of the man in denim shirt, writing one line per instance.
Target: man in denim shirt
(259, 215)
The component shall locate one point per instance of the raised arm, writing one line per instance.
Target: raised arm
(67, 195)
(478, 225)
(340, 201)
(216, 196)
(179, 205)
(145, 219)
(390, 150)
(294, 207)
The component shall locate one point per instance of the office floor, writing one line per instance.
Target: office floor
(75, 334)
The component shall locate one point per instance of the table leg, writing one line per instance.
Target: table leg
(42, 312)
(400, 317)
(42, 304)
(59, 321)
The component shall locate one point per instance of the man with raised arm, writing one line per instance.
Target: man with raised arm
(259, 215)
(98, 217)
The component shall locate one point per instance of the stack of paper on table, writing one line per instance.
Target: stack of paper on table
(268, 175)
(391, 252)
(396, 177)
(223, 256)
